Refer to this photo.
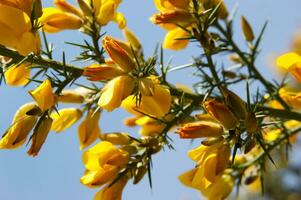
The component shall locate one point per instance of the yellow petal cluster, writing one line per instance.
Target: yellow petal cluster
(157, 104)
(211, 164)
(21, 126)
(44, 95)
(115, 92)
(292, 63)
(16, 30)
(103, 163)
(18, 75)
(221, 113)
(65, 118)
(173, 12)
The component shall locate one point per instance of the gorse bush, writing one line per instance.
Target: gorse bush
(240, 134)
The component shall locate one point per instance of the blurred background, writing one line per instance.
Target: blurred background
(55, 173)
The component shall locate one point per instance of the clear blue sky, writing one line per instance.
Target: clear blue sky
(55, 173)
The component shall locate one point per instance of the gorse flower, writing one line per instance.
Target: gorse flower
(66, 16)
(18, 75)
(65, 118)
(292, 63)
(176, 16)
(103, 163)
(20, 128)
(44, 95)
(155, 99)
(16, 30)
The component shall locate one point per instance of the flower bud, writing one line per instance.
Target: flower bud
(100, 72)
(38, 9)
(118, 54)
(235, 103)
(221, 113)
(55, 20)
(71, 96)
(40, 134)
(170, 18)
(89, 130)
(247, 29)
(132, 39)
(116, 138)
(85, 7)
(200, 129)
(251, 123)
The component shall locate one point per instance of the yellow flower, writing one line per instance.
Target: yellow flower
(22, 124)
(44, 95)
(149, 126)
(39, 136)
(291, 96)
(220, 188)
(88, 130)
(18, 75)
(65, 118)
(221, 113)
(104, 153)
(103, 162)
(106, 11)
(71, 96)
(211, 163)
(200, 129)
(174, 12)
(99, 72)
(99, 177)
(292, 63)
(15, 26)
(118, 54)
(235, 103)
(55, 20)
(157, 104)
(214, 157)
(115, 92)
(112, 192)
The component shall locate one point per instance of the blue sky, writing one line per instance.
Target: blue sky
(55, 173)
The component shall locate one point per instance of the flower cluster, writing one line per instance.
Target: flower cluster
(240, 133)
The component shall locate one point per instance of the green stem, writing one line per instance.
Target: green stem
(269, 87)
(269, 148)
(38, 60)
